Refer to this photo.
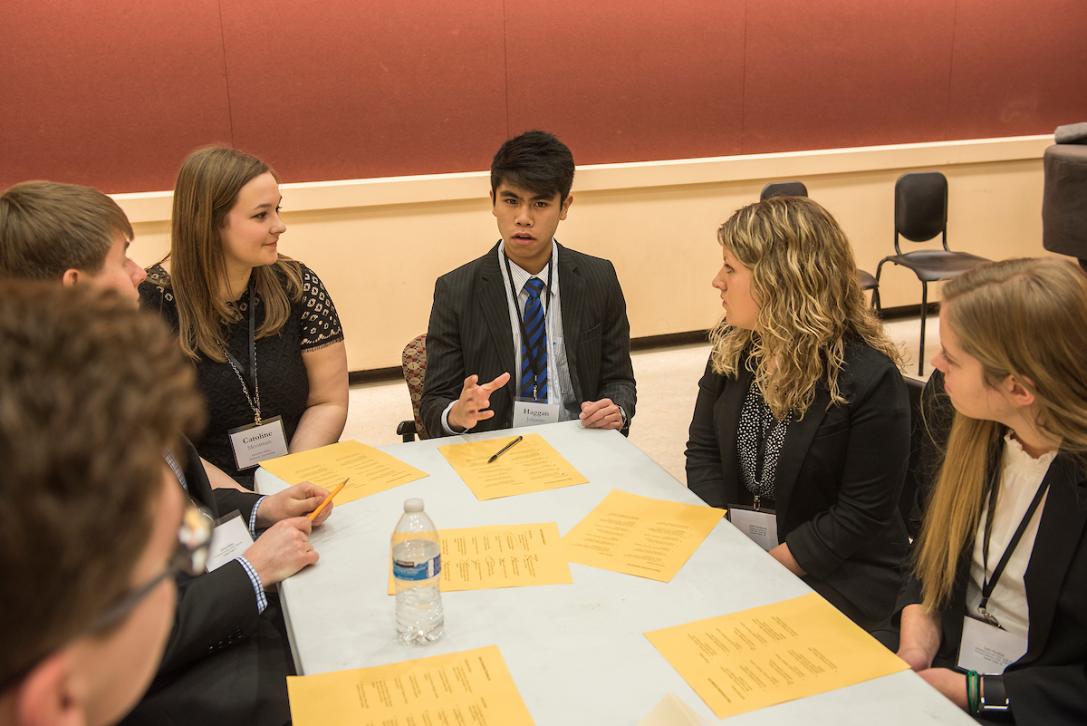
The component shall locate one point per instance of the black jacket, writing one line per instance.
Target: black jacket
(470, 332)
(1048, 685)
(838, 478)
(224, 663)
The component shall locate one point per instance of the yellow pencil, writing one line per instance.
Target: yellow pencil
(324, 503)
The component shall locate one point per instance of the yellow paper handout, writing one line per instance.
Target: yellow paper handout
(370, 471)
(640, 536)
(530, 465)
(470, 687)
(772, 654)
(502, 555)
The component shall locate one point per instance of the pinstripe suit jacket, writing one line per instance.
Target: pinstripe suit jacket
(470, 332)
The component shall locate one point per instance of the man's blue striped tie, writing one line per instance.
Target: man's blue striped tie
(534, 344)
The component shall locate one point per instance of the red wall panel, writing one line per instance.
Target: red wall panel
(842, 73)
(1018, 68)
(346, 89)
(115, 92)
(111, 93)
(629, 81)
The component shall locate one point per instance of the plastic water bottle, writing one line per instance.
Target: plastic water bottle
(417, 563)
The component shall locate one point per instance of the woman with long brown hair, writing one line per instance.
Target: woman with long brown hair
(260, 327)
(801, 426)
(995, 614)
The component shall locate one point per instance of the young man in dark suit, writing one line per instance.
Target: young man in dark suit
(227, 655)
(531, 332)
(91, 526)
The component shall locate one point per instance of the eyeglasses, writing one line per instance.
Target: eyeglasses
(190, 557)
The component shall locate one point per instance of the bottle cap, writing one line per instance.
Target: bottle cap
(413, 505)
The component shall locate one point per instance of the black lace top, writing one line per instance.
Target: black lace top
(284, 386)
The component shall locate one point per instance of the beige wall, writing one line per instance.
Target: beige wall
(378, 244)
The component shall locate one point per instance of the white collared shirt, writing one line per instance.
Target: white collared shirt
(560, 389)
(1020, 477)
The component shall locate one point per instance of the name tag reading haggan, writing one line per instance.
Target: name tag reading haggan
(532, 413)
(253, 444)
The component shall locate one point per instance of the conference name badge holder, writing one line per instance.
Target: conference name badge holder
(229, 540)
(531, 411)
(265, 438)
(258, 441)
(986, 647)
(758, 523)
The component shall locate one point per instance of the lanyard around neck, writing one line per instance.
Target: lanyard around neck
(254, 398)
(532, 357)
(761, 440)
(989, 584)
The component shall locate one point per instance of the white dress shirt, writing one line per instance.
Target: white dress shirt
(1020, 477)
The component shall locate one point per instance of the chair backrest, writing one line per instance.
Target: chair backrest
(413, 364)
(921, 206)
(783, 189)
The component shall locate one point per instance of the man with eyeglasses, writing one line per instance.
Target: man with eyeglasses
(92, 525)
(227, 656)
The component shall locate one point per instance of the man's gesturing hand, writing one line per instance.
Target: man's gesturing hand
(474, 403)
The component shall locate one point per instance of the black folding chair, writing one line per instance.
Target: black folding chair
(783, 189)
(921, 215)
(797, 189)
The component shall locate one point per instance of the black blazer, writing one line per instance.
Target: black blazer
(223, 662)
(216, 608)
(470, 332)
(1047, 686)
(838, 479)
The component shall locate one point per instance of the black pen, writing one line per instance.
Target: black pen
(504, 449)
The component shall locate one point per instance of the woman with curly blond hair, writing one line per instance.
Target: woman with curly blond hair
(801, 427)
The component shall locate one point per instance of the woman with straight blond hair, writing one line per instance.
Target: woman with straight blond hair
(995, 614)
(801, 427)
(260, 327)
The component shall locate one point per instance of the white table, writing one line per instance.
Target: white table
(576, 652)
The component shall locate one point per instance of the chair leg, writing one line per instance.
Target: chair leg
(875, 291)
(924, 318)
(406, 430)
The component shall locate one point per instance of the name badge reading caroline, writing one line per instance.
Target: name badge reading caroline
(254, 443)
(987, 649)
(760, 525)
(527, 412)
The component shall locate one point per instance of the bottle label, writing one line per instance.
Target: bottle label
(417, 570)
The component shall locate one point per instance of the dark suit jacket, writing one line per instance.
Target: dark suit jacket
(216, 608)
(1048, 684)
(470, 332)
(838, 479)
(223, 662)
